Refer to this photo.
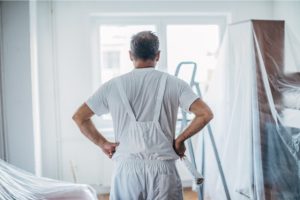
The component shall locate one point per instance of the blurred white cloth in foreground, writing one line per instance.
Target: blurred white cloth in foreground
(18, 184)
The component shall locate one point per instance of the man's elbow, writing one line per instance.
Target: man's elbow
(208, 115)
(77, 119)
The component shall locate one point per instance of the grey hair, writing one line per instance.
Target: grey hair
(144, 45)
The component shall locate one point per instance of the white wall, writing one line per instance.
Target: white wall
(16, 84)
(290, 12)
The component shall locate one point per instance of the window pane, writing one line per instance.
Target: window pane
(114, 47)
(197, 43)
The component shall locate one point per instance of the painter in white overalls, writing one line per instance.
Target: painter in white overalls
(144, 105)
(145, 156)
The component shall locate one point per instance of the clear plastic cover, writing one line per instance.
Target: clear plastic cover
(18, 184)
(255, 97)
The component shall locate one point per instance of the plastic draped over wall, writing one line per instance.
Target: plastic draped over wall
(255, 97)
(18, 184)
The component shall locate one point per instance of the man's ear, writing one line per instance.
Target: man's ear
(157, 56)
(131, 56)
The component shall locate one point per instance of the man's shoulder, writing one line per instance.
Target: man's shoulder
(116, 78)
(175, 80)
(170, 78)
(108, 84)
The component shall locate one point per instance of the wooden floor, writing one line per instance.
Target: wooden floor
(187, 193)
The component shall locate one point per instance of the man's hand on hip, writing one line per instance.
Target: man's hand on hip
(82, 117)
(109, 148)
(179, 148)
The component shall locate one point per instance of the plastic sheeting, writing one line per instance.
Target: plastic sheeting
(255, 99)
(18, 184)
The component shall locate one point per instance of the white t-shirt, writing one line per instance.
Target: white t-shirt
(141, 86)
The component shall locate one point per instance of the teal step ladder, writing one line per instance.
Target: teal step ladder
(184, 122)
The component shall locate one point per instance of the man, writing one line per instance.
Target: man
(144, 105)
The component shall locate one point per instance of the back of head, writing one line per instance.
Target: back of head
(144, 45)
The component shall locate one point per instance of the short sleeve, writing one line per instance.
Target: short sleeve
(186, 97)
(98, 101)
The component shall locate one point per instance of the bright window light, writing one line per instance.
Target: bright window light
(197, 43)
(114, 47)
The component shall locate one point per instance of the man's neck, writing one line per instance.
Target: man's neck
(142, 67)
(144, 64)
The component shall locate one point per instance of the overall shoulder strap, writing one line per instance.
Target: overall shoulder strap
(125, 100)
(160, 95)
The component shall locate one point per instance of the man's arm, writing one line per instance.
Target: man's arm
(82, 117)
(202, 117)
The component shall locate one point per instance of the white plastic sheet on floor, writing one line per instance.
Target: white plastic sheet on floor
(255, 97)
(18, 184)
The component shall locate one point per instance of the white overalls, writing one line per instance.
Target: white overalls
(145, 158)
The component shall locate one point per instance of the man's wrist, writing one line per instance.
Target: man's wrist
(180, 139)
(101, 142)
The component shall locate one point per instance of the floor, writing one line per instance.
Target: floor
(187, 193)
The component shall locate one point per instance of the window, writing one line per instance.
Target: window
(182, 38)
(111, 60)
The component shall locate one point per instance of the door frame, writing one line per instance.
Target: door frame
(3, 147)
